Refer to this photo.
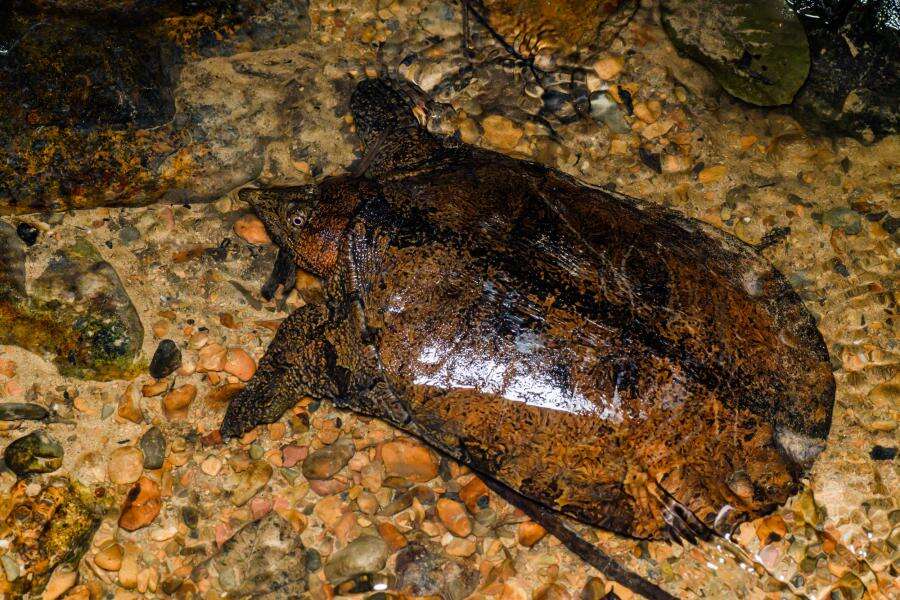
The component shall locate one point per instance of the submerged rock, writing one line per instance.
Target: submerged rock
(36, 452)
(282, 573)
(44, 531)
(426, 571)
(166, 359)
(559, 29)
(22, 411)
(78, 314)
(91, 110)
(757, 51)
(366, 554)
(153, 445)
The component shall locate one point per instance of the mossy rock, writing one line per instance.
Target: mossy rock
(757, 50)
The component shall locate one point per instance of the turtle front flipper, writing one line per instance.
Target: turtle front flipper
(393, 137)
(299, 362)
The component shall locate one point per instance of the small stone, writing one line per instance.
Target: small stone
(712, 174)
(843, 218)
(109, 558)
(211, 358)
(453, 515)
(211, 465)
(657, 129)
(22, 411)
(239, 363)
(366, 554)
(594, 589)
(166, 359)
(251, 481)
(325, 462)
(676, 163)
(291, 455)
(389, 532)
(409, 460)
(154, 388)
(327, 487)
(128, 572)
(36, 452)
(643, 112)
(61, 580)
(530, 533)
(474, 495)
(153, 445)
(130, 404)
(887, 393)
(500, 132)
(461, 547)
(126, 465)
(28, 233)
(250, 229)
(609, 67)
(176, 402)
(161, 328)
(142, 504)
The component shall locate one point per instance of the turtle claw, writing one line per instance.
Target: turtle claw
(682, 524)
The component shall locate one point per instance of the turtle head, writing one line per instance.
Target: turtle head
(308, 221)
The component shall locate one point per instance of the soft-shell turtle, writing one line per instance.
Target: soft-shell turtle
(581, 350)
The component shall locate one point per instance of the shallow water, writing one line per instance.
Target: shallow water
(279, 115)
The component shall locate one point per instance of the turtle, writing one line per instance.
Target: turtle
(587, 354)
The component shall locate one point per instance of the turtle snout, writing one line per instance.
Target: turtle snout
(799, 448)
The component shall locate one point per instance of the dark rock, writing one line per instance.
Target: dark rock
(36, 452)
(21, 411)
(166, 360)
(883, 452)
(854, 79)
(757, 51)
(153, 445)
(325, 462)
(27, 232)
(426, 571)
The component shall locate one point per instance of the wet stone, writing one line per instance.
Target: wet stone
(125, 465)
(22, 411)
(251, 481)
(142, 504)
(166, 360)
(367, 554)
(325, 462)
(153, 445)
(28, 233)
(36, 452)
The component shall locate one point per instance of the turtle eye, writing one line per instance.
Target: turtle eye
(298, 220)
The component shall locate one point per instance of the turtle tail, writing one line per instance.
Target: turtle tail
(588, 552)
(378, 108)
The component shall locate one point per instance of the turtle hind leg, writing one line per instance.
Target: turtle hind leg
(299, 362)
(588, 552)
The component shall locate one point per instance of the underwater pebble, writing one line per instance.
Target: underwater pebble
(291, 455)
(212, 358)
(453, 515)
(239, 363)
(409, 460)
(461, 547)
(153, 445)
(109, 558)
(166, 359)
(608, 67)
(250, 229)
(142, 504)
(366, 554)
(326, 462)
(22, 411)
(176, 402)
(500, 132)
(125, 465)
(251, 481)
(530, 533)
(37, 452)
(129, 407)
(28, 233)
(62, 579)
